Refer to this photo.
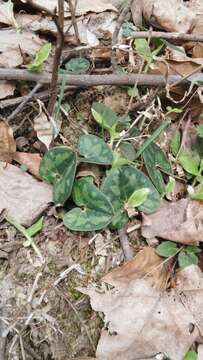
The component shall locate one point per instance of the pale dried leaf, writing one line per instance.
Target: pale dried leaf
(6, 13)
(180, 222)
(31, 161)
(141, 320)
(83, 6)
(44, 128)
(171, 15)
(6, 89)
(13, 44)
(7, 142)
(23, 197)
(200, 352)
(136, 9)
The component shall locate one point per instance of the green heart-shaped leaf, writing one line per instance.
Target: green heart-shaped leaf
(58, 168)
(120, 184)
(95, 150)
(155, 160)
(97, 211)
(167, 248)
(106, 117)
(77, 65)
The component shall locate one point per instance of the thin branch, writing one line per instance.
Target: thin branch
(59, 21)
(94, 80)
(72, 9)
(24, 102)
(165, 35)
(42, 95)
(120, 20)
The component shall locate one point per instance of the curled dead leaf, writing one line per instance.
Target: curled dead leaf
(23, 197)
(7, 142)
(180, 222)
(140, 319)
(44, 126)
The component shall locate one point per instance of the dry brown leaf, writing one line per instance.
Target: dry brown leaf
(13, 44)
(44, 127)
(83, 358)
(180, 222)
(145, 264)
(171, 15)
(7, 142)
(31, 161)
(23, 197)
(6, 89)
(141, 320)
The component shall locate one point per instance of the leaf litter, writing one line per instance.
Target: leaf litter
(158, 297)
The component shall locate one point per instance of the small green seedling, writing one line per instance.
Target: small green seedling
(187, 255)
(29, 233)
(41, 56)
(191, 355)
(143, 49)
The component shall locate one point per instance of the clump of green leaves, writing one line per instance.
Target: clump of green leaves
(186, 255)
(40, 58)
(123, 187)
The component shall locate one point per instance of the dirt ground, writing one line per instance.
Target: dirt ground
(46, 316)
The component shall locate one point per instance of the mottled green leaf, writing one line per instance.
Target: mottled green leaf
(128, 28)
(199, 129)
(77, 66)
(187, 259)
(96, 212)
(106, 117)
(152, 138)
(192, 249)
(120, 184)
(95, 150)
(191, 355)
(118, 160)
(166, 249)
(189, 164)
(155, 160)
(175, 143)
(127, 150)
(41, 56)
(58, 168)
(138, 197)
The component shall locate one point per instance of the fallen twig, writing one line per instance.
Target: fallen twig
(24, 102)
(59, 21)
(72, 9)
(165, 35)
(94, 80)
(120, 20)
(42, 95)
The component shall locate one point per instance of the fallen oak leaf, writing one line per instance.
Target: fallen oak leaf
(23, 197)
(7, 142)
(31, 161)
(180, 222)
(153, 320)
